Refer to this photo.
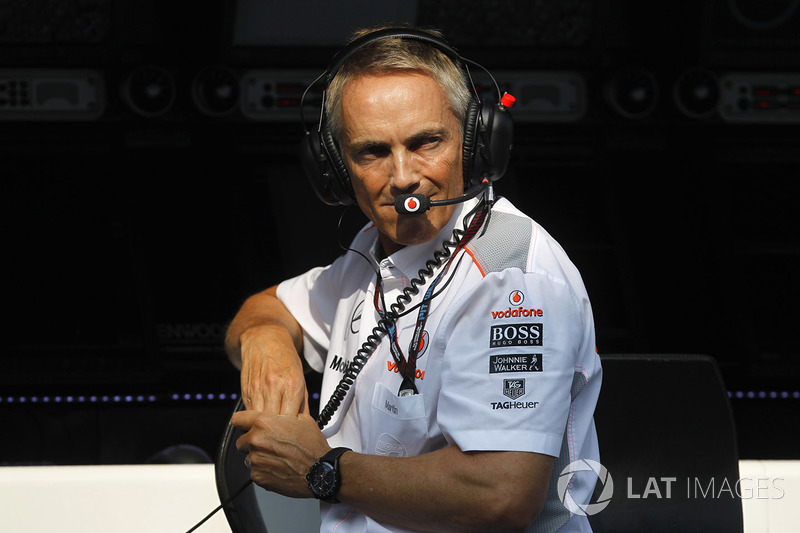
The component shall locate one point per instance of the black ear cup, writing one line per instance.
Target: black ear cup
(468, 143)
(495, 137)
(344, 189)
(488, 133)
(325, 169)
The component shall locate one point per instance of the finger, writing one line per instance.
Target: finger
(244, 379)
(305, 410)
(253, 398)
(293, 404)
(273, 402)
(242, 445)
(244, 420)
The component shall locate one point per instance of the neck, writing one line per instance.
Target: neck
(387, 246)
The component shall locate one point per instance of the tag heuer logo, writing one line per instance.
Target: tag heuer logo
(513, 388)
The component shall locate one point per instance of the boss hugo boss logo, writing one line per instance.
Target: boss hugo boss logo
(515, 335)
(529, 362)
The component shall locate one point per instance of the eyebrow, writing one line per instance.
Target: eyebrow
(416, 138)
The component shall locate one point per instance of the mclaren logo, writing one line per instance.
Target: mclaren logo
(355, 318)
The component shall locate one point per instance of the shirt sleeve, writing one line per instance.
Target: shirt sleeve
(312, 298)
(513, 346)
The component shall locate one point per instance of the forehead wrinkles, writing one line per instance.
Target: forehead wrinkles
(405, 104)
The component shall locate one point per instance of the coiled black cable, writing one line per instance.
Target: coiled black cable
(392, 314)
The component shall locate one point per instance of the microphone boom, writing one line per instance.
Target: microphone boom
(412, 204)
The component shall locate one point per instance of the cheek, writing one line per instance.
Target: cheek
(446, 171)
(367, 195)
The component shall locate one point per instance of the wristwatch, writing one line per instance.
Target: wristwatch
(324, 478)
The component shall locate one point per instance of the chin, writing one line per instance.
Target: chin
(419, 230)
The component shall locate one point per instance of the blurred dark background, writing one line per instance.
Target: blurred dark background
(150, 182)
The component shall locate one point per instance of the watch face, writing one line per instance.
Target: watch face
(323, 479)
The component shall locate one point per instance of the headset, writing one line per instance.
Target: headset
(487, 128)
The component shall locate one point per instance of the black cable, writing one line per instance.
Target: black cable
(220, 506)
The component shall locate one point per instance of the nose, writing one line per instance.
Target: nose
(404, 177)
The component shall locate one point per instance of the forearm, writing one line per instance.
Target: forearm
(261, 310)
(448, 490)
(264, 342)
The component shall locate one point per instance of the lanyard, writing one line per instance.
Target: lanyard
(407, 365)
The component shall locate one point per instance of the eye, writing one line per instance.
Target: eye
(426, 142)
(372, 151)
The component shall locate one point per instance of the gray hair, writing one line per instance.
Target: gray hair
(398, 54)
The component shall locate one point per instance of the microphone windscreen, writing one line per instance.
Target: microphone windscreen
(407, 204)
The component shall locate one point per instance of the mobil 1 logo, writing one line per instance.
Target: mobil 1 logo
(503, 335)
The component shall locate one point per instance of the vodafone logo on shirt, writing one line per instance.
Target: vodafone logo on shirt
(391, 366)
(516, 297)
(516, 310)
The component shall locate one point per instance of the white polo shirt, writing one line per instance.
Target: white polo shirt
(508, 359)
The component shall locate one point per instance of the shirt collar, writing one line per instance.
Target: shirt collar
(409, 259)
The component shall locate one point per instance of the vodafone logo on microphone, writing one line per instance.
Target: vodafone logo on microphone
(411, 204)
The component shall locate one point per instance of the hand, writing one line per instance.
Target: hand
(280, 449)
(272, 376)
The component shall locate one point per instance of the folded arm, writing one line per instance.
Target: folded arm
(444, 490)
(264, 341)
(448, 490)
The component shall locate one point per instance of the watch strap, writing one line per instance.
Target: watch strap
(332, 458)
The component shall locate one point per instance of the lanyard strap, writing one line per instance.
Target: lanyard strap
(407, 365)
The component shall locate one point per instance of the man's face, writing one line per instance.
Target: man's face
(399, 136)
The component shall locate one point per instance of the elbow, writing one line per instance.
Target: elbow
(513, 513)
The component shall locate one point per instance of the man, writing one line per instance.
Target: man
(469, 395)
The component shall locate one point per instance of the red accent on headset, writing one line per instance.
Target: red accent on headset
(507, 100)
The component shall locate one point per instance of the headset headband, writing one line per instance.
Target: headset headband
(400, 33)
